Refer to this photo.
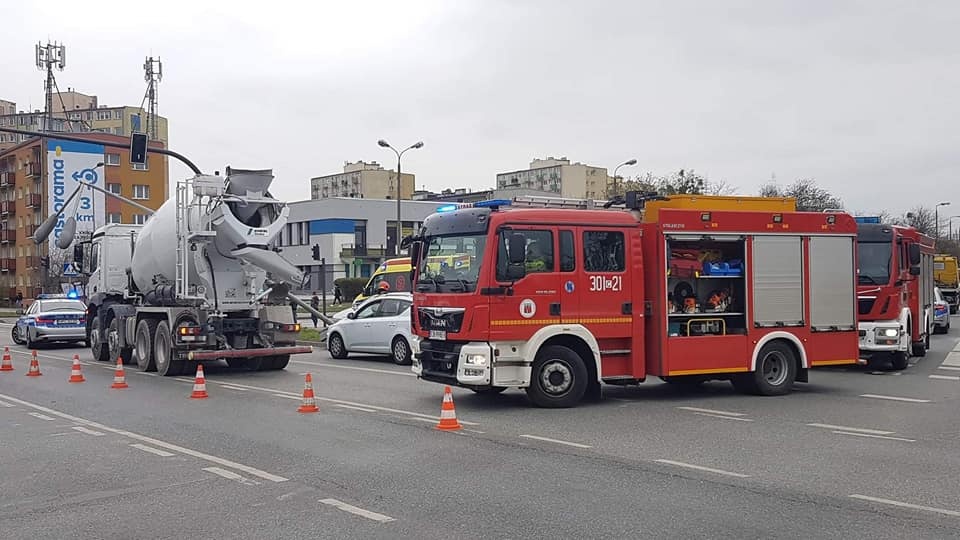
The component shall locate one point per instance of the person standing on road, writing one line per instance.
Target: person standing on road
(315, 304)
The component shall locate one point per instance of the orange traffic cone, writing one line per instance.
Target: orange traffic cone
(309, 402)
(448, 415)
(199, 385)
(34, 366)
(75, 375)
(119, 377)
(7, 364)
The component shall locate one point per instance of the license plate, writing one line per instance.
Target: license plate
(438, 334)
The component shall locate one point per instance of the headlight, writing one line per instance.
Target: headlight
(889, 332)
(476, 360)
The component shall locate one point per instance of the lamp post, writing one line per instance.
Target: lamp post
(399, 154)
(617, 168)
(936, 218)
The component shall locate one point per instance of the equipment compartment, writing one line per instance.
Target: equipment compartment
(706, 288)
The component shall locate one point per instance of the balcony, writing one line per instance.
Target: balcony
(7, 236)
(362, 251)
(33, 170)
(6, 179)
(32, 200)
(32, 262)
(8, 208)
(8, 265)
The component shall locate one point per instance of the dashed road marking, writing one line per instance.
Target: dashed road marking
(952, 513)
(374, 516)
(874, 436)
(40, 416)
(723, 417)
(895, 398)
(234, 388)
(556, 441)
(701, 468)
(711, 411)
(945, 377)
(858, 430)
(88, 431)
(230, 475)
(341, 405)
(155, 451)
(949, 368)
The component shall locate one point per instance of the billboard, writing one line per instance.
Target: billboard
(67, 162)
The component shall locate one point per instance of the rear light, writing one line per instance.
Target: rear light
(44, 320)
(82, 320)
(290, 327)
(189, 330)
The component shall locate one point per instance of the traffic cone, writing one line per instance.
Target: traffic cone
(34, 366)
(309, 402)
(7, 364)
(199, 385)
(119, 378)
(75, 375)
(448, 415)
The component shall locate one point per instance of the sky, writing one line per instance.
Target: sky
(859, 95)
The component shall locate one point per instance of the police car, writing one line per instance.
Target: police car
(52, 318)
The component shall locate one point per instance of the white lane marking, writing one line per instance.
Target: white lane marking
(953, 357)
(723, 417)
(88, 431)
(40, 416)
(230, 475)
(858, 430)
(951, 368)
(355, 368)
(557, 441)
(895, 398)
(155, 451)
(145, 373)
(63, 433)
(700, 468)
(712, 411)
(474, 431)
(357, 511)
(234, 388)
(5, 404)
(874, 436)
(945, 377)
(292, 395)
(354, 408)
(155, 442)
(912, 506)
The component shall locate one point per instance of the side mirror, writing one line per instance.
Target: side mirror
(78, 255)
(915, 269)
(415, 250)
(516, 272)
(914, 255)
(352, 315)
(517, 245)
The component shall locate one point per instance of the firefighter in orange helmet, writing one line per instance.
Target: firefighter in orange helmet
(383, 287)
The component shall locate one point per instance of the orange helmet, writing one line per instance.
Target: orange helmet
(383, 286)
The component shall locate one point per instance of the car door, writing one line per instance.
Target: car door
(26, 321)
(382, 325)
(354, 331)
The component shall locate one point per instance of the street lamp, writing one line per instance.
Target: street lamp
(936, 218)
(399, 154)
(617, 168)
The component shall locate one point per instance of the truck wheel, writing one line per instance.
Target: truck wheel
(144, 345)
(97, 345)
(401, 351)
(558, 378)
(113, 344)
(899, 361)
(163, 352)
(918, 349)
(776, 370)
(336, 347)
(280, 362)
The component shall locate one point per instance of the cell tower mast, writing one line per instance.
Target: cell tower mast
(153, 73)
(49, 56)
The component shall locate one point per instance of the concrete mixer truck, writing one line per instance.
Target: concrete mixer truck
(198, 282)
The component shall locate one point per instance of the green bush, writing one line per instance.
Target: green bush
(351, 287)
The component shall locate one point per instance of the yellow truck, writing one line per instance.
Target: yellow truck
(947, 279)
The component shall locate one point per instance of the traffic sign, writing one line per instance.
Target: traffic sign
(70, 269)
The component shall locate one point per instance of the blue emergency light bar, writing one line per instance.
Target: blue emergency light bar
(867, 219)
(492, 203)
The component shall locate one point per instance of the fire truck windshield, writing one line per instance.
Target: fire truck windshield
(451, 263)
(873, 260)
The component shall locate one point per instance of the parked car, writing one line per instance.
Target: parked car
(380, 325)
(51, 318)
(941, 313)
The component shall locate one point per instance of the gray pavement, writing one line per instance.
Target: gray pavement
(646, 461)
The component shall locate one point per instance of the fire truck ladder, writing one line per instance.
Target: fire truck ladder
(537, 201)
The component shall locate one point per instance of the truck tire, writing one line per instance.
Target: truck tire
(775, 372)
(558, 378)
(163, 352)
(899, 360)
(280, 362)
(115, 351)
(143, 344)
(918, 349)
(97, 345)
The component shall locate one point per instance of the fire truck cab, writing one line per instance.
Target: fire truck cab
(563, 295)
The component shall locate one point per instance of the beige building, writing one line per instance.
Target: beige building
(559, 176)
(77, 113)
(362, 180)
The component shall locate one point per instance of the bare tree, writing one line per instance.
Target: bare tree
(719, 187)
(921, 218)
(810, 197)
(53, 276)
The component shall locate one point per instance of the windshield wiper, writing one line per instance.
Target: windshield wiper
(868, 278)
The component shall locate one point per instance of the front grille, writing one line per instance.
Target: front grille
(439, 358)
(446, 319)
(865, 305)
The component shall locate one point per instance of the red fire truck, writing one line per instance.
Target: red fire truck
(558, 300)
(894, 292)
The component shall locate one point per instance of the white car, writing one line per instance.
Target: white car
(380, 325)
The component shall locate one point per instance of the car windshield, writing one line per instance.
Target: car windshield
(61, 305)
(873, 263)
(396, 282)
(451, 263)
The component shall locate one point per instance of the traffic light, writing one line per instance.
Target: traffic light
(316, 252)
(138, 148)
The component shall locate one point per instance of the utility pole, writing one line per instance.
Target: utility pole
(153, 73)
(47, 57)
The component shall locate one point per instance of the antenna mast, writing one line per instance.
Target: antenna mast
(153, 73)
(49, 56)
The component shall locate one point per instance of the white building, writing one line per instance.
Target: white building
(557, 176)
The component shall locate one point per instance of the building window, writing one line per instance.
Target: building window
(113, 188)
(141, 166)
(112, 159)
(141, 192)
(115, 217)
(117, 114)
(118, 131)
(140, 219)
(103, 115)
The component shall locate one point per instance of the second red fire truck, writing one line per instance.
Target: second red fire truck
(560, 298)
